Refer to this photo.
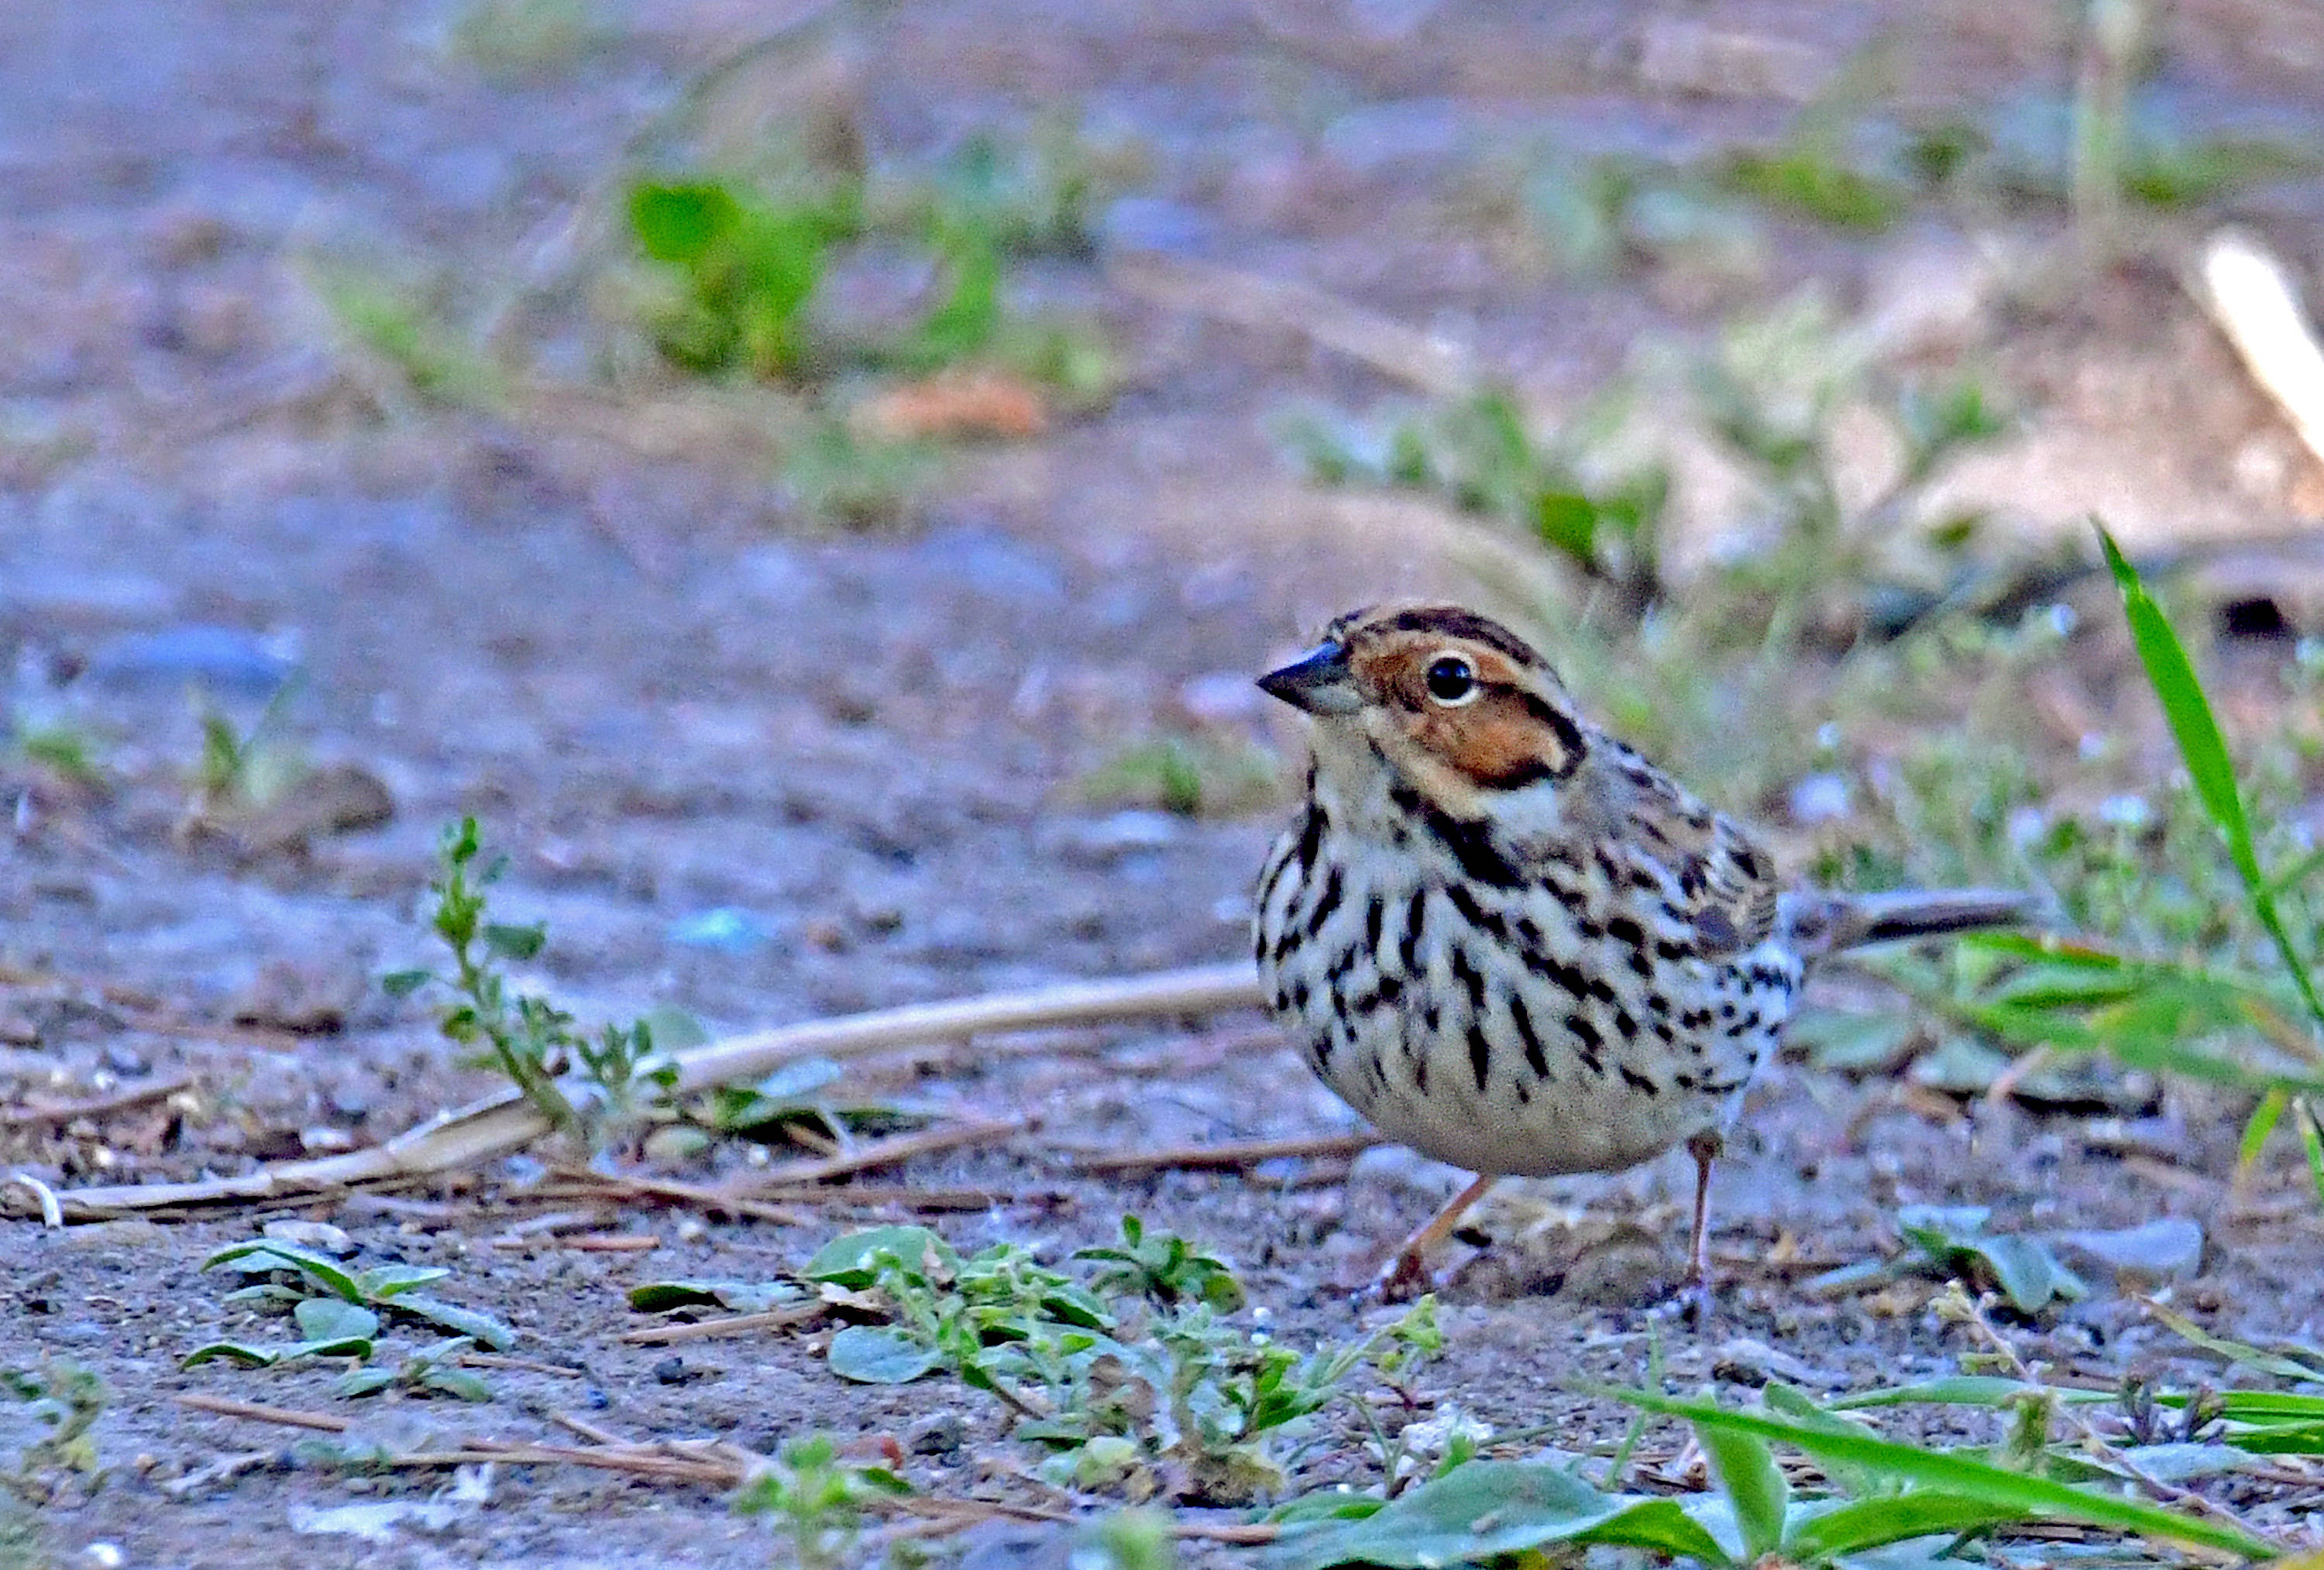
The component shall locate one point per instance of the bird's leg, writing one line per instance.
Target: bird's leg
(1408, 1272)
(1696, 1297)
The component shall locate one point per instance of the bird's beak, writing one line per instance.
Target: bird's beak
(1318, 681)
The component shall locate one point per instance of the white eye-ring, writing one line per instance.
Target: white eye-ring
(1451, 680)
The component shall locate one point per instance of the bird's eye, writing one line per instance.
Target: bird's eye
(1449, 679)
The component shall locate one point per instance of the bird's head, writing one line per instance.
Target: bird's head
(1453, 702)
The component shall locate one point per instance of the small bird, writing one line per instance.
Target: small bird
(1510, 941)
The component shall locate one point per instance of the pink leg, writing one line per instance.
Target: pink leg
(1704, 1148)
(1407, 1273)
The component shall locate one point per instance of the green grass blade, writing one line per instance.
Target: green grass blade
(1966, 1478)
(2241, 1352)
(2196, 730)
(1872, 1522)
(2257, 1129)
(1488, 1508)
(2298, 873)
(2311, 1140)
(1754, 1486)
(264, 1254)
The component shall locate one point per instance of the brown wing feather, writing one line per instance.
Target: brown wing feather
(1725, 878)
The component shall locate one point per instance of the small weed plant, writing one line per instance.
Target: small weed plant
(338, 1311)
(64, 1399)
(815, 1501)
(2246, 1012)
(620, 1077)
(1133, 1378)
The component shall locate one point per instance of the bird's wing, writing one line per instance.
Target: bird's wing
(1725, 879)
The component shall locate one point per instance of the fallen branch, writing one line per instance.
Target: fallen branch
(503, 1123)
(1421, 360)
(35, 1114)
(1246, 1152)
(715, 1463)
(258, 1412)
(732, 1324)
(700, 1196)
(885, 1152)
(2252, 297)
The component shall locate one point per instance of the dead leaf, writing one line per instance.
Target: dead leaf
(954, 406)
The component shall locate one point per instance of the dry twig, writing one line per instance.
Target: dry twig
(1242, 1153)
(505, 1122)
(732, 1325)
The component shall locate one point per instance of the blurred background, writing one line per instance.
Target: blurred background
(817, 482)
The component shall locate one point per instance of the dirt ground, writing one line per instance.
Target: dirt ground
(666, 699)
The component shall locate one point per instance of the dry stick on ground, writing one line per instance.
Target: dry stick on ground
(35, 1114)
(1244, 1153)
(732, 1325)
(700, 1196)
(507, 1121)
(716, 1463)
(1247, 300)
(2252, 297)
(886, 1152)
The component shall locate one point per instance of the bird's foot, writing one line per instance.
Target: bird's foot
(1690, 1304)
(1406, 1277)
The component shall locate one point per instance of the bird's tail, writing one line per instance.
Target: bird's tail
(1823, 923)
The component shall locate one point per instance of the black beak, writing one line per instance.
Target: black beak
(1318, 681)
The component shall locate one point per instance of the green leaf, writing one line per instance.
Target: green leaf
(2238, 1352)
(334, 1319)
(879, 1355)
(852, 1259)
(392, 1280)
(358, 1383)
(404, 983)
(1567, 522)
(742, 1296)
(1960, 1390)
(674, 1030)
(236, 1352)
(267, 1253)
(2173, 676)
(679, 223)
(2311, 1140)
(1960, 1475)
(492, 1332)
(2028, 1274)
(512, 940)
(1755, 1488)
(2257, 1129)
(456, 1381)
(1893, 1518)
(1491, 1508)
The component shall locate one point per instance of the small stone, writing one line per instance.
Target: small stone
(288, 994)
(342, 798)
(1747, 1361)
(938, 1433)
(676, 1143)
(127, 1061)
(1678, 55)
(320, 1235)
(724, 930)
(671, 1371)
(225, 658)
(1821, 798)
(2168, 1248)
